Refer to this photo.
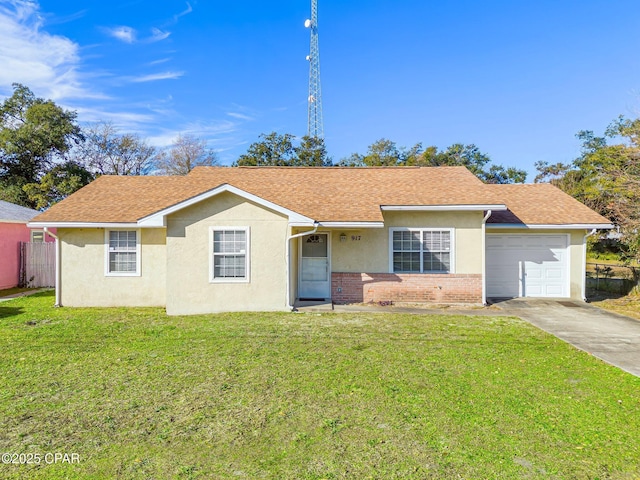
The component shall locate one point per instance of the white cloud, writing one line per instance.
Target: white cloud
(157, 35)
(240, 116)
(58, 20)
(122, 119)
(188, 10)
(48, 64)
(52, 66)
(129, 35)
(159, 61)
(219, 133)
(122, 33)
(157, 76)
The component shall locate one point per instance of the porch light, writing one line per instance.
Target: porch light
(343, 237)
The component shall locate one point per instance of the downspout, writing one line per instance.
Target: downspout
(287, 260)
(584, 264)
(484, 257)
(58, 282)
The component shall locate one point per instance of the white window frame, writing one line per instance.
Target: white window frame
(138, 271)
(37, 231)
(452, 255)
(247, 256)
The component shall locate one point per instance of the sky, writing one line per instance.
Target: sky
(516, 78)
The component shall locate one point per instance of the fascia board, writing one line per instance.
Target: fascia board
(436, 208)
(158, 219)
(81, 225)
(567, 226)
(352, 224)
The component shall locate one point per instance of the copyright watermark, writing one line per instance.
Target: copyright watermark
(48, 458)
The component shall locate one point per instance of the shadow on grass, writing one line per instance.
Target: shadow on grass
(594, 295)
(7, 312)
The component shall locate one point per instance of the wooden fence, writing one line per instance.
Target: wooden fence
(37, 264)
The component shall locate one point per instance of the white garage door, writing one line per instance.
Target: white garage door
(527, 266)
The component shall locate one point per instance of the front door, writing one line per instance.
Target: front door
(314, 279)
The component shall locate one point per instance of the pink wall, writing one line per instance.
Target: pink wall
(11, 234)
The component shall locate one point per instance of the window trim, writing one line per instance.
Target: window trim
(37, 230)
(247, 256)
(138, 271)
(452, 252)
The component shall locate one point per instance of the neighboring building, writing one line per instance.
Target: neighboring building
(262, 238)
(13, 231)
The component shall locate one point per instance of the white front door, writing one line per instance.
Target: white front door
(527, 265)
(314, 278)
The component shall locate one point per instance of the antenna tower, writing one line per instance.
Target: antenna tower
(315, 124)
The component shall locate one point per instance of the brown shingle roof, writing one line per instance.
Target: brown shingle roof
(541, 204)
(323, 194)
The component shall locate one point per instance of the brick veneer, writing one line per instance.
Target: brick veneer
(380, 287)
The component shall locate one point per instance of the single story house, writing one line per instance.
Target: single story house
(264, 238)
(13, 231)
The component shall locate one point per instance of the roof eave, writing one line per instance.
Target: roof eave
(562, 226)
(54, 224)
(355, 225)
(14, 221)
(158, 219)
(442, 208)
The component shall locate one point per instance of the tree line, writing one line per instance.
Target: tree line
(606, 178)
(274, 149)
(45, 156)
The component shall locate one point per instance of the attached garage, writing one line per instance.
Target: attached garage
(527, 265)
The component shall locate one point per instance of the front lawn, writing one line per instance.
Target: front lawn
(137, 394)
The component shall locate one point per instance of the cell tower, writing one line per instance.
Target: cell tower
(315, 125)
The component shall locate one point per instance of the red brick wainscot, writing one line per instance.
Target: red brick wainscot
(424, 287)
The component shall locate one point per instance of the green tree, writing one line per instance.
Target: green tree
(381, 153)
(458, 154)
(186, 153)
(311, 152)
(272, 150)
(500, 174)
(606, 177)
(385, 153)
(550, 173)
(34, 134)
(58, 183)
(278, 150)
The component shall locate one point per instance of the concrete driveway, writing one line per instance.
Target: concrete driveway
(611, 337)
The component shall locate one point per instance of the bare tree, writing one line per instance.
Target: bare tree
(186, 153)
(106, 151)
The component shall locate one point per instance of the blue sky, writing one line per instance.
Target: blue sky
(519, 79)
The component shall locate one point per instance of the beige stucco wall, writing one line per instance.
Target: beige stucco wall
(84, 283)
(189, 290)
(576, 254)
(369, 250)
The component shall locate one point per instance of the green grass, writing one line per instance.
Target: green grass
(628, 305)
(139, 395)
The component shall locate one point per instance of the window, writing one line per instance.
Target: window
(229, 254)
(421, 250)
(37, 236)
(123, 253)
